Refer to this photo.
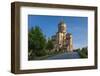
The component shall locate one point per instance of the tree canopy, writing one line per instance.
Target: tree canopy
(36, 42)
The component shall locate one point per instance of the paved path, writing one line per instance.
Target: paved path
(68, 55)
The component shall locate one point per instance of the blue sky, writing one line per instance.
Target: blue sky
(78, 26)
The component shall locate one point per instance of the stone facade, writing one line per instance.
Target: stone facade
(62, 40)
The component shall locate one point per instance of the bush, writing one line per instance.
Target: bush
(83, 53)
(41, 53)
(31, 56)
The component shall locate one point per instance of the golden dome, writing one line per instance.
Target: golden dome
(62, 26)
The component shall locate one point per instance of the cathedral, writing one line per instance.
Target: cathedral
(62, 40)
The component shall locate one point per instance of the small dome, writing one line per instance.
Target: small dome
(68, 35)
(62, 23)
(62, 26)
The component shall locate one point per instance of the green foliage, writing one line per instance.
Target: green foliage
(41, 53)
(36, 42)
(50, 45)
(83, 52)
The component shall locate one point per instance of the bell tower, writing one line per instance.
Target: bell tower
(61, 34)
(62, 27)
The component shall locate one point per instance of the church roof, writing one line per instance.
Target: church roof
(61, 22)
(68, 34)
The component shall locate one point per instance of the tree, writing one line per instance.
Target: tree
(83, 52)
(50, 45)
(36, 42)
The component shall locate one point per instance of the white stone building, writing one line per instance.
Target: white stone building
(62, 40)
